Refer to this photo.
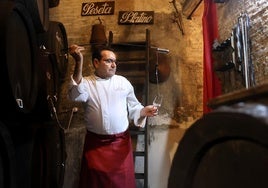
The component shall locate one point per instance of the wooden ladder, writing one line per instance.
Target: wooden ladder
(133, 58)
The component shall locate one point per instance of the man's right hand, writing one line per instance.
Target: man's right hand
(75, 52)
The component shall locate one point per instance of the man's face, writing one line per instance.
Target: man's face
(106, 66)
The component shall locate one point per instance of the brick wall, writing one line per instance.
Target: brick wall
(228, 14)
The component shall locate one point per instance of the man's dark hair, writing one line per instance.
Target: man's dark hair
(96, 52)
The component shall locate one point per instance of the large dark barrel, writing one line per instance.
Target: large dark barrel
(225, 148)
(32, 155)
(39, 11)
(55, 40)
(48, 79)
(18, 66)
(7, 159)
(48, 163)
(22, 138)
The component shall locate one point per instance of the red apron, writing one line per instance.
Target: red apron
(107, 161)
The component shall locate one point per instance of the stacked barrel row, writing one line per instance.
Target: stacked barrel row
(34, 56)
(33, 64)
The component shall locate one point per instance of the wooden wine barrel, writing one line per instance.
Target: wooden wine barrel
(18, 66)
(39, 12)
(7, 159)
(48, 156)
(226, 148)
(48, 88)
(32, 155)
(55, 40)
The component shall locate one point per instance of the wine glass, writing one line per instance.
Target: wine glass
(157, 102)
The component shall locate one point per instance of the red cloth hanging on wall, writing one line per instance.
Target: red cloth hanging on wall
(212, 86)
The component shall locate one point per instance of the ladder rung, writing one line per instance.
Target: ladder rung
(136, 132)
(139, 175)
(139, 153)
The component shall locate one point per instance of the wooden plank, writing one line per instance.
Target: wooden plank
(258, 93)
(190, 6)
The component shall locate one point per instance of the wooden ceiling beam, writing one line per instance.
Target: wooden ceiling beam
(189, 7)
